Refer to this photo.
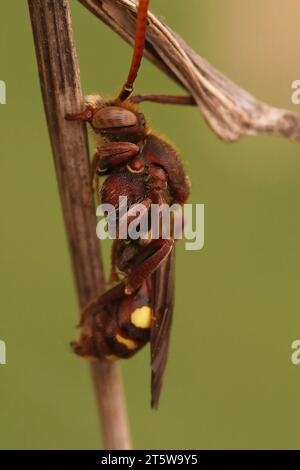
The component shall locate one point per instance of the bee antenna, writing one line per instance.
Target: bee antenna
(139, 44)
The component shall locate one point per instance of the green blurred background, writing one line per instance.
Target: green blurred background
(230, 382)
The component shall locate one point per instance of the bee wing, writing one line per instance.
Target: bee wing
(162, 305)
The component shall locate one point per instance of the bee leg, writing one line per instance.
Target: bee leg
(88, 196)
(164, 99)
(114, 277)
(145, 265)
(116, 154)
(90, 309)
(108, 156)
(85, 115)
(85, 345)
(129, 217)
(111, 295)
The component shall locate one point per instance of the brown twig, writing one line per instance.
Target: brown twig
(61, 90)
(229, 110)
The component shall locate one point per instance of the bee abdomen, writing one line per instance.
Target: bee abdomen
(118, 330)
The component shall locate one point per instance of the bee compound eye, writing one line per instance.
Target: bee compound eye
(113, 117)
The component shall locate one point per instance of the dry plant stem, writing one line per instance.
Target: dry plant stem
(229, 110)
(61, 90)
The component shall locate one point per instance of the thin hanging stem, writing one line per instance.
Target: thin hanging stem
(61, 91)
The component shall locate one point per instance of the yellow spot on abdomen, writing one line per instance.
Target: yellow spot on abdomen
(89, 358)
(129, 343)
(111, 357)
(141, 317)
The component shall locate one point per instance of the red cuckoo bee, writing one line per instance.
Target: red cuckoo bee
(146, 168)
